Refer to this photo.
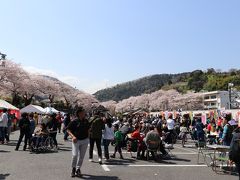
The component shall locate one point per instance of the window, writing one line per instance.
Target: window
(206, 97)
(213, 97)
(213, 104)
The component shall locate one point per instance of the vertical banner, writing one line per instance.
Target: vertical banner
(204, 119)
(215, 115)
(219, 113)
(166, 114)
(174, 114)
(191, 115)
(238, 117)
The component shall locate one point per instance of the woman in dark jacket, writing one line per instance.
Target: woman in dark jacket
(66, 121)
(52, 126)
(24, 125)
(234, 153)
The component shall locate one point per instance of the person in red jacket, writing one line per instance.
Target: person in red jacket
(137, 135)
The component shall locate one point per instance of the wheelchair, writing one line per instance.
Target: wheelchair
(42, 144)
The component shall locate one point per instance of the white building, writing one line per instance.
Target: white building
(216, 100)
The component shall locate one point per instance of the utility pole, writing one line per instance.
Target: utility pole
(230, 85)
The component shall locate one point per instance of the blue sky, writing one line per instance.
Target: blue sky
(94, 44)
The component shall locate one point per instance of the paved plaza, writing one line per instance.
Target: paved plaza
(20, 165)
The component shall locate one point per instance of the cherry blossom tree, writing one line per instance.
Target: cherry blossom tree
(161, 101)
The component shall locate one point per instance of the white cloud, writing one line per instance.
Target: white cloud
(95, 86)
(82, 84)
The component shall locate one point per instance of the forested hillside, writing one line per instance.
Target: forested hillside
(196, 81)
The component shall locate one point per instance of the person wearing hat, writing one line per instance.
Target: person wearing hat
(78, 129)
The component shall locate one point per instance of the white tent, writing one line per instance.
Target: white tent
(32, 109)
(50, 110)
(5, 104)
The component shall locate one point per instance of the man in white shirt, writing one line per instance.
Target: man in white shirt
(170, 126)
(3, 126)
(170, 123)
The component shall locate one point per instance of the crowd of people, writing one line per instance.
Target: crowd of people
(140, 133)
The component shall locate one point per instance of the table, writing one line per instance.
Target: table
(217, 148)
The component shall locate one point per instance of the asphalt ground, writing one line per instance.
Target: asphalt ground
(23, 165)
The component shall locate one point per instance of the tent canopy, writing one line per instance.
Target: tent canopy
(50, 110)
(32, 109)
(5, 104)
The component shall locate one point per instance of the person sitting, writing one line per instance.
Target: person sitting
(40, 135)
(152, 140)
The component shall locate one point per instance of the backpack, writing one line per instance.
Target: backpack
(234, 153)
(229, 134)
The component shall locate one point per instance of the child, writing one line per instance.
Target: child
(118, 140)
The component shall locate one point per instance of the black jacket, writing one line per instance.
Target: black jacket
(53, 125)
(24, 125)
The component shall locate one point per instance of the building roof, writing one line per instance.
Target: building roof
(214, 92)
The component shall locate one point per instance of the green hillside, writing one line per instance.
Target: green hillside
(198, 80)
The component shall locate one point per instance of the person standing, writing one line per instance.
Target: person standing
(32, 123)
(59, 119)
(1, 131)
(118, 141)
(78, 129)
(66, 121)
(227, 133)
(200, 134)
(97, 125)
(52, 125)
(235, 149)
(9, 125)
(170, 127)
(24, 125)
(4, 118)
(32, 126)
(108, 137)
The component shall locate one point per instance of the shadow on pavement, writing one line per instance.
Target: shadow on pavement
(2, 151)
(178, 159)
(3, 176)
(65, 149)
(120, 162)
(85, 176)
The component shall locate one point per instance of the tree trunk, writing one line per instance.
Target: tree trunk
(27, 99)
(15, 99)
(51, 99)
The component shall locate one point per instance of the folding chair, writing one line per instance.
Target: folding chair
(169, 149)
(201, 150)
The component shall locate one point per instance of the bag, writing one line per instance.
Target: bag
(234, 153)
(229, 134)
